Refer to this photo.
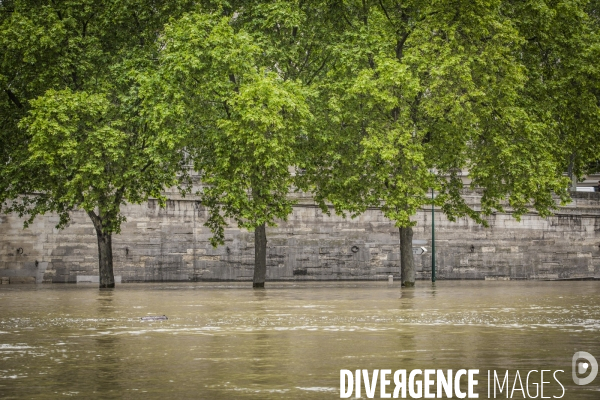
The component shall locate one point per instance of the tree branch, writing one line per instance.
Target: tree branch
(232, 80)
(318, 70)
(13, 98)
(385, 12)
(95, 220)
(400, 45)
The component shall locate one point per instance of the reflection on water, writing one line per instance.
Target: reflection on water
(288, 341)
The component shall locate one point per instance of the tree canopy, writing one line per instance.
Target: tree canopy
(377, 101)
(237, 80)
(561, 46)
(74, 134)
(421, 91)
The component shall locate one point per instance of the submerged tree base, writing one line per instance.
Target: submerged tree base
(107, 286)
(407, 267)
(260, 256)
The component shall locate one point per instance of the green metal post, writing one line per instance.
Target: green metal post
(432, 239)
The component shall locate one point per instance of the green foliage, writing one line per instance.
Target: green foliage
(238, 93)
(420, 91)
(561, 51)
(378, 101)
(73, 133)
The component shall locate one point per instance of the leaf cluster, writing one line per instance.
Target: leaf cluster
(74, 135)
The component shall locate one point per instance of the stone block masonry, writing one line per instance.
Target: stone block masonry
(172, 244)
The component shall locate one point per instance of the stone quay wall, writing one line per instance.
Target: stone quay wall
(172, 244)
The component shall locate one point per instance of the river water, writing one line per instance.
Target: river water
(228, 341)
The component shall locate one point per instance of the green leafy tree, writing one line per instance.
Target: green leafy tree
(73, 134)
(421, 91)
(561, 48)
(237, 80)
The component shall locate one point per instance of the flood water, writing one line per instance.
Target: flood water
(228, 341)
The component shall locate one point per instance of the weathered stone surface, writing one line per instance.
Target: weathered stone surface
(95, 279)
(21, 279)
(172, 244)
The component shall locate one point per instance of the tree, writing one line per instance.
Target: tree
(236, 80)
(560, 51)
(74, 135)
(421, 91)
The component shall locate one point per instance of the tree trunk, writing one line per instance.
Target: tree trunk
(571, 173)
(407, 266)
(105, 258)
(260, 256)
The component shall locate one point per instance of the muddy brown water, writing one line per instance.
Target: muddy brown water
(228, 341)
